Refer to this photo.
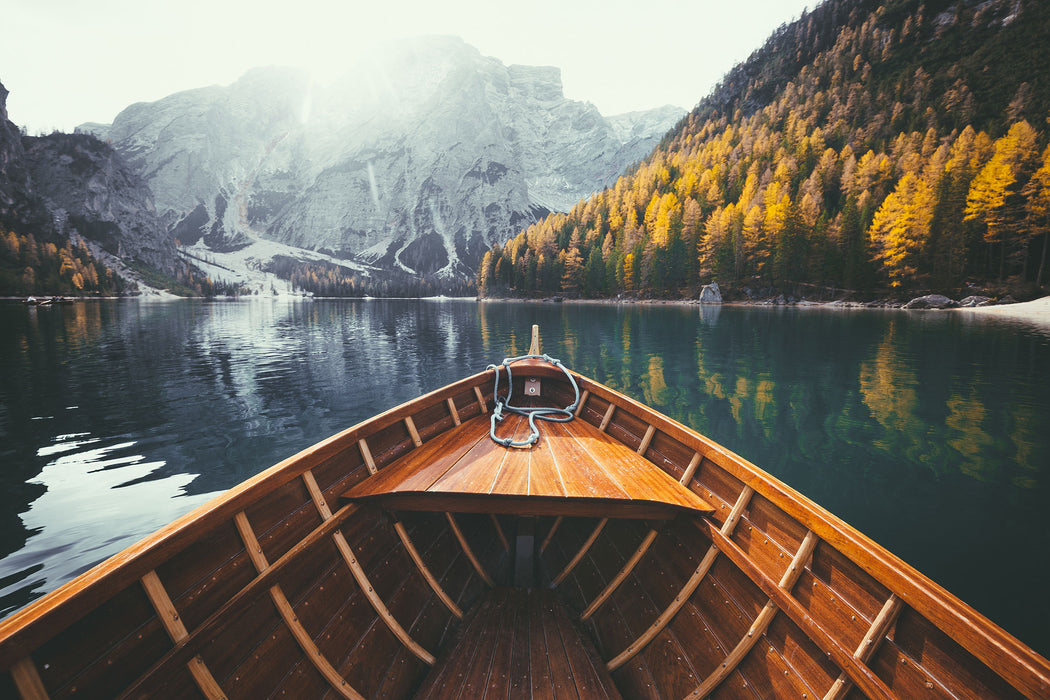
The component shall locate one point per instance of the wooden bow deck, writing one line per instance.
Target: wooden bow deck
(573, 470)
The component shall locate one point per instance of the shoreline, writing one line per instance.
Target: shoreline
(1036, 311)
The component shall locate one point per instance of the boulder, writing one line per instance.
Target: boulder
(975, 300)
(932, 301)
(710, 294)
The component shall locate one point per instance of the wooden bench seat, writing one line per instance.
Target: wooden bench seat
(518, 643)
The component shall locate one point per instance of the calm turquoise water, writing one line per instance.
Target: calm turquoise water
(928, 431)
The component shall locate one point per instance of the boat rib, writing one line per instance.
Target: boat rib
(761, 622)
(169, 617)
(861, 675)
(362, 578)
(880, 626)
(687, 590)
(291, 620)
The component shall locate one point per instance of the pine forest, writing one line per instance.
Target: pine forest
(867, 148)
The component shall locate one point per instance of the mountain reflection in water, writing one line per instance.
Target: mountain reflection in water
(928, 431)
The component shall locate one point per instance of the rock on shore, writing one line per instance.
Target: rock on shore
(932, 301)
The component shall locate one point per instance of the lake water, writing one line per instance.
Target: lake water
(928, 431)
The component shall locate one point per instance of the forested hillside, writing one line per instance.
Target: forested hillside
(892, 147)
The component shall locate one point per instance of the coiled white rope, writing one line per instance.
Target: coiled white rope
(503, 405)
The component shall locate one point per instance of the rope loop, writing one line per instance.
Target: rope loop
(503, 405)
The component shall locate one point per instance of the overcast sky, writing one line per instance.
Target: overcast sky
(66, 62)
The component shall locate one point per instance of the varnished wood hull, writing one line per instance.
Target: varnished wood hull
(280, 586)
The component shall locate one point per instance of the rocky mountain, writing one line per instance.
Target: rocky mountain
(419, 159)
(89, 189)
(16, 202)
(73, 185)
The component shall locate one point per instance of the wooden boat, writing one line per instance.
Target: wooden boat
(621, 555)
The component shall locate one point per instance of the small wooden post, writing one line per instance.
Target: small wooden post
(524, 553)
(534, 347)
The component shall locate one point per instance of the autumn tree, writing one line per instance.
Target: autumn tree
(901, 228)
(1037, 206)
(991, 200)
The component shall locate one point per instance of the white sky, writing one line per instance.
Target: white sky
(66, 62)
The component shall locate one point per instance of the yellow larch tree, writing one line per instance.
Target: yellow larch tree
(901, 228)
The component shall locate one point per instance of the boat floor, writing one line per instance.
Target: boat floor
(573, 469)
(519, 643)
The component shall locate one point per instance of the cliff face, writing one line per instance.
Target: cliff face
(53, 186)
(421, 157)
(88, 188)
(16, 203)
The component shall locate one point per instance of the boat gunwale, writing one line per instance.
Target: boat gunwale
(973, 631)
(29, 628)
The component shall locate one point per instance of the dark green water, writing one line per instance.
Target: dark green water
(928, 431)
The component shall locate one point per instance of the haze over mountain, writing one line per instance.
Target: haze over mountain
(413, 164)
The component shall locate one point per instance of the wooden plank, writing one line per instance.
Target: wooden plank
(468, 551)
(646, 439)
(175, 628)
(291, 620)
(624, 572)
(424, 571)
(499, 532)
(761, 623)
(687, 589)
(367, 455)
(411, 425)
(583, 399)
(589, 676)
(582, 474)
(690, 469)
(418, 470)
(544, 474)
(377, 603)
(876, 633)
(452, 411)
(540, 676)
(862, 676)
(251, 544)
(475, 471)
(591, 454)
(481, 400)
(557, 658)
(607, 417)
(27, 680)
(478, 650)
(550, 533)
(514, 474)
(501, 669)
(519, 652)
(580, 552)
(309, 648)
(316, 495)
(166, 612)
